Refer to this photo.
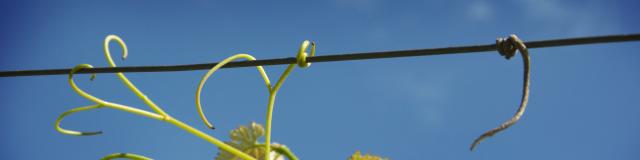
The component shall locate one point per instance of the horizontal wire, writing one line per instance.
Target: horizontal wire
(334, 57)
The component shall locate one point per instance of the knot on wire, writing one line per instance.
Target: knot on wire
(301, 58)
(507, 46)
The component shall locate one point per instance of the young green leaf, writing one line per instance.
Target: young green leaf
(245, 138)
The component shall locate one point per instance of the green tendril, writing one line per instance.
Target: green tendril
(273, 90)
(302, 54)
(159, 115)
(213, 70)
(125, 155)
(124, 79)
(76, 133)
(105, 103)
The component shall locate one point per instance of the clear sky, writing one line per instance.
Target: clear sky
(583, 102)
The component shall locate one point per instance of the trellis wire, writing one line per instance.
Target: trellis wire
(335, 57)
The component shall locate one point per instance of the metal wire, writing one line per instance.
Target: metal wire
(334, 57)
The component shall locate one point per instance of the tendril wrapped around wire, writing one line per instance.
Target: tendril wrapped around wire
(507, 48)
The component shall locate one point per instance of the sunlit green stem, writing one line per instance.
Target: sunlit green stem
(285, 151)
(210, 139)
(270, 106)
(281, 149)
(125, 155)
(302, 62)
(124, 79)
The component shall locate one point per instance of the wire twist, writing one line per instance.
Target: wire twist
(507, 47)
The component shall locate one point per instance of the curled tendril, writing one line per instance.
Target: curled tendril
(213, 70)
(302, 54)
(76, 133)
(301, 60)
(80, 91)
(125, 155)
(507, 48)
(103, 102)
(161, 116)
(155, 116)
(124, 79)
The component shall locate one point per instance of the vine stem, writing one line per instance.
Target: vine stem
(282, 149)
(272, 98)
(209, 139)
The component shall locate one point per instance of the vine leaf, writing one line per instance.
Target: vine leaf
(245, 138)
(358, 156)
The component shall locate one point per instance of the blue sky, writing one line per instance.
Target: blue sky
(583, 102)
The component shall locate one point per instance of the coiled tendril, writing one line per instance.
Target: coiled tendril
(507, 48)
